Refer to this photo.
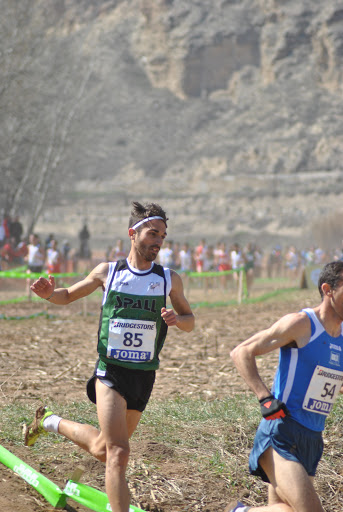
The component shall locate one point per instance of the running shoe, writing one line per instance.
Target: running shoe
(236, 506)
(35, 429)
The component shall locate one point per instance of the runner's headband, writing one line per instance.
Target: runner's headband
(146, 220)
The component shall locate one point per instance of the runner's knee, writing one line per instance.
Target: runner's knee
(98, 450)
(117, 456)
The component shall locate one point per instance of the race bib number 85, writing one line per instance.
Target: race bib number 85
(323, 390)
(131, 340)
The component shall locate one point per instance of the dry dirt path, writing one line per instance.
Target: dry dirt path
(49, 359)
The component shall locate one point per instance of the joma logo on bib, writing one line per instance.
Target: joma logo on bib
(319, 406)
(130, 355)
(144, 304)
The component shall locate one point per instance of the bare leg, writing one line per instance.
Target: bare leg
(112, 418)
(291, 485)
(85, 436)
(110, 443)
(291, 488)
(90, 438)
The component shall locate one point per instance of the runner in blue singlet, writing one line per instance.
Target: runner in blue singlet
(288, 444)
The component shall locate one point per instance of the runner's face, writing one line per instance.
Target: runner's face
(149, 240)
(337, 299)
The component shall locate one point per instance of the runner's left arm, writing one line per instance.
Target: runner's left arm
(183, 318)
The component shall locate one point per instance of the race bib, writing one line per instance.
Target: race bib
(131, 340)
(323, 390)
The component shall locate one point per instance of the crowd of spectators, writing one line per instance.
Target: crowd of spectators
(38, 255)
(13, 246)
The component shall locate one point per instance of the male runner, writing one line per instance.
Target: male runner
(288, 443)
(133, 326)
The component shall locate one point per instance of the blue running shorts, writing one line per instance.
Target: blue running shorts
(290, 440)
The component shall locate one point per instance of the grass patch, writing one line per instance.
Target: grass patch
(208, 439)
(14, 415)
(204, 433)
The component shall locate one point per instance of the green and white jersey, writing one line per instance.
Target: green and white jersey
(131, 330)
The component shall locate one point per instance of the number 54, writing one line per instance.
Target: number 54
(327, 391)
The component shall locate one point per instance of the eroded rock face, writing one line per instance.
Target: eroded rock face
(228, 111)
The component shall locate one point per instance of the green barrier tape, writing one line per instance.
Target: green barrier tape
(23, 268)
(14, 274)
(51, 492)
(270, 295)
(263, 297)
(14, 301)
(84, 494)
(213, 273)
(34, 315)
(23, 298)
(223, 273)
(219, 304)
(89, 497)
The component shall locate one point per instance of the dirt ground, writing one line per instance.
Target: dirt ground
(49, 359)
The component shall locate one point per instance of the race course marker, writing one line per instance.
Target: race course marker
(84, 494)
(51, 492)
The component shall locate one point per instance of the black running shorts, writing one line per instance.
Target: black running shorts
(135, 386)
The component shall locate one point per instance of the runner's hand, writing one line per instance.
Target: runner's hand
(272, 408)
(169, 316)
(43, 287)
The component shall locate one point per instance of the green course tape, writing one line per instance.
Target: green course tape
(23, 298)
(34, 315)
(219, 304)
(51, 492)
(270, 295)
(90, 497)
(14, 301)
(83, 494)
(213, 273)
(21, 269)
(15, 274)
(261, 298)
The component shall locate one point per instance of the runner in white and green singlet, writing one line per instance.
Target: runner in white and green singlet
(133, 326)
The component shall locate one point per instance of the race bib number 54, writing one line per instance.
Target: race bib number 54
(131, 340)
(323, 390)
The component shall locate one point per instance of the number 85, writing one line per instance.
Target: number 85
(133, 340)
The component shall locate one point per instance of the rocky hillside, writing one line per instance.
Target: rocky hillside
(228, 112)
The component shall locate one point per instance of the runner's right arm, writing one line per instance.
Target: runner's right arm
(291, 328)
(45, 288)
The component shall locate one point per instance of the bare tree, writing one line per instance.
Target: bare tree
(54, 153)
(44, 79)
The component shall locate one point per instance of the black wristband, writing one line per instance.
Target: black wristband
(269, 397)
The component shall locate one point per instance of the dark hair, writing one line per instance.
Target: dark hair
(140, 212)
(332, 274)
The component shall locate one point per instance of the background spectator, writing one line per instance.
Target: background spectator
(16, 229)
(53, 258)
(166, 255)
(8, 253)
(118, 252)
(200, 255)
(36, 254)
(186, 260)
(84, 236)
